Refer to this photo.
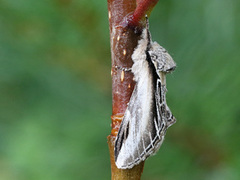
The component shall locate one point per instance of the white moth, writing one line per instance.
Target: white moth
(147, 117)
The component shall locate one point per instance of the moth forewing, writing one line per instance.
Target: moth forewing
(147, 116)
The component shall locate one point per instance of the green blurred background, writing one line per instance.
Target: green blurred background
(55, 90)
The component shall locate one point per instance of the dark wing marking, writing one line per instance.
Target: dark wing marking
(162, 108)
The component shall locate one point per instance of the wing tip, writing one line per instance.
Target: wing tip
(122, 165)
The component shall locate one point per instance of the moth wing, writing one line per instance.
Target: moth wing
(163, 111)
(139, 132)
(161, 59)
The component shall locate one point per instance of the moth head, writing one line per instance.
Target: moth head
(162, 61)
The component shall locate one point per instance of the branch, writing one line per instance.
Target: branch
(126, 21)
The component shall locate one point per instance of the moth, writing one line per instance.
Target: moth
(147, 116)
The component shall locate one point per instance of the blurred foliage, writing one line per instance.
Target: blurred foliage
(55, 90)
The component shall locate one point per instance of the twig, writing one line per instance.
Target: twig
(126, 24)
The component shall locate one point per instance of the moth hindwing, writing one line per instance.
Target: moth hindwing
(147, 116)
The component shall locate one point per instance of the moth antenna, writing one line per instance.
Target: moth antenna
(149, 38)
